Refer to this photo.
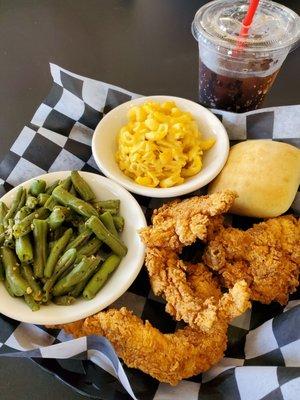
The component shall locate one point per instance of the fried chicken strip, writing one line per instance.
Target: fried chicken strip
(266, 256)
(166, 357)
(191, 291)
(180, 223)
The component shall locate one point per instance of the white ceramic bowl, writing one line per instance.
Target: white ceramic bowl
(117, 284)
(104, 147)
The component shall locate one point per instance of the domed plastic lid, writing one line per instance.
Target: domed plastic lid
(274, 26)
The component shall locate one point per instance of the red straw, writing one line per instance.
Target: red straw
(247, 21)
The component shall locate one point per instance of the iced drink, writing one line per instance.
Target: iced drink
(236, 73)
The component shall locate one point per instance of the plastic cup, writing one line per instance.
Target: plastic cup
(236, 73)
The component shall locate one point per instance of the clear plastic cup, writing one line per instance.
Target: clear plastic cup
(236, 73)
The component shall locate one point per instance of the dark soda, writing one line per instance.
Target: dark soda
(230, 93)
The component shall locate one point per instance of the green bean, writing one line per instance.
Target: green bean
(31, 202)
(80, 239)
(8, 288)
(113, 206)
(32, 304)
(24, 248)
(119, 222)
(37, 186)
(24, 227)
(56, 251)
(27, 273)
(108, 222)
(103, 234)
(18, 284)
(22, 200)
(56, 218)
(9, 239)
(73, 191)
(66, 183)
(21, 214)
(50, 203)
(99, 279)
(50, 188)
(40, 230)
(63, 300)
(3, 211)
(89, 249)
(42, 198)
(2, 272)
(78, 289)
(65, 284)
(82, 187)
(14, 206)
(63, 264)
(78, 205)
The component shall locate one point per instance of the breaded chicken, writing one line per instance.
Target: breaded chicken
(166, 357)
(180, 223)
(266, 256)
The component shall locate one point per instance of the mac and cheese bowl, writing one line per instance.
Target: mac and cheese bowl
(116, 132)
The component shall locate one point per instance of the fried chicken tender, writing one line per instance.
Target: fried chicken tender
(166, 357)
(180, 223)
(266, 256)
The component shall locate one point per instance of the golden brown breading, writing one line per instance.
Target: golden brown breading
(166, 357)
(266, 256)
(180, 223)
(191, 291)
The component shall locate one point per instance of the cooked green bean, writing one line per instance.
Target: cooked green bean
(40, 230)
(29, 300)
(108, 222)
(24, 227)
(50, 188)
(98, 280)
(8, 288)
(42, 198)
(66, 183)
(14, 206)
(80, 239)
(18, 284)
(21, 214)
(56, 218)
(78, 205)
(73, 191)
(51, 203)
(119, 222)
(65, 284)
(63, 300)
(112, 206)
(63, 264)
(56, 251)
(78, 289)
(103, 234)
(9, 239)
(24, 248)
(37, 186)
(89, 249)
(31, 202)
(82, 187)
(22, 200)
(3, 211)
(27, 273)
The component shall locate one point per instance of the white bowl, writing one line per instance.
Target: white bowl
(104, 147)
(117, 284)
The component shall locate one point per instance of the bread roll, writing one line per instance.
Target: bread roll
(265, 174)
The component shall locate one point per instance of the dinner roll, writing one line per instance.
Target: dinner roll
(265, 174)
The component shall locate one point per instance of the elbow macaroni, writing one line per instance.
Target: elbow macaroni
(161, 145)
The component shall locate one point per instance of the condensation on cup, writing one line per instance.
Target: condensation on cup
(236, 73)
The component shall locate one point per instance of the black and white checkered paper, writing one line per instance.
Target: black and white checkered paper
(262, 360)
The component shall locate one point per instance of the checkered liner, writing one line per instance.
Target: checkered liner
(262, 360)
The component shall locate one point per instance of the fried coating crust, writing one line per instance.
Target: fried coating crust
(266, 256)
(166, 357)
(191, 291)
(180, 223)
